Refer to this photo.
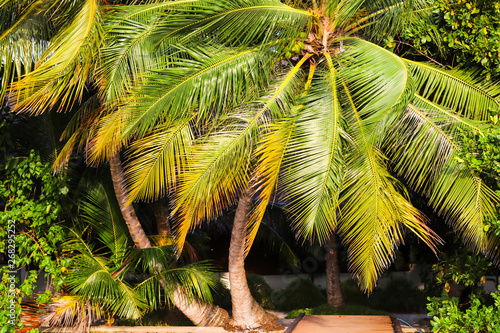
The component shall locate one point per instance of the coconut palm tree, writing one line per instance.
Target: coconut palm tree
(50, 52)
(300, 106)
(245, 103)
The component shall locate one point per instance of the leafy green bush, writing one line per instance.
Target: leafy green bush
(470, 33)
(349, 309)
(260, 290)
(399, 294)
(447, 316)
(351, 292)
(300, 293)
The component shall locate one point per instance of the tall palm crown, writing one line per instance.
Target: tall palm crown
(294, 100)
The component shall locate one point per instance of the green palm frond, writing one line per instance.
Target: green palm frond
(91, 278)
(389, 17)
(219, 166)
(376, 210)
(378, 82)
(212, 78)
(312, 169)
(62, 72)
(235, 22)
(194, 280)
(157, 160)
(465, 201)
(459, 90)
(422, 141)
(129, 51)
(100, 210)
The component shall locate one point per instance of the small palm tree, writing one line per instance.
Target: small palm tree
(108, 278)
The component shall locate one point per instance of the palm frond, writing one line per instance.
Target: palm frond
(62, 72)
(465, 201)
(220, 161)
(462, 91)
(376, 210)
(389, 17)
(311, 174)
(100, 210)
(157, 159)
(378, 80)
(212, 78)
(235, 22)
(423, 139)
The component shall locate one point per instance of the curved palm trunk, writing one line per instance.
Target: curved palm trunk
(247, 313)
(200, 314)
(333, 291)
(162, 219)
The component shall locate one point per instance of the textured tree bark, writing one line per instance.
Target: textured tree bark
(333, 292)
(200, 314)
(247, 313)
(162, 218)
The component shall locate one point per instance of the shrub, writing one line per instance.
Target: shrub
(398, 295)
(350, 309)
(352, 293)
(260, 290)
(300, 293)
(447, 316)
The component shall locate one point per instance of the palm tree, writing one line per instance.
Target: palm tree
(245, 103)
(50, 51)
(102, 257)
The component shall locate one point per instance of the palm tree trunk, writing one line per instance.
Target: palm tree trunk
(247, 313)
(200, 314)
(162, 219)
(333, 291)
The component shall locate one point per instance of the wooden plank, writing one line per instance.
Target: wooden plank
(290, 328)
(142, 329)
(345, 324)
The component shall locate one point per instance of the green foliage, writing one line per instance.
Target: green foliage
(350, 309)
(260, 290)
(300, 293)
(470, 32)
(447, 316)
(462, 267)
(30, 230)
(398, 295)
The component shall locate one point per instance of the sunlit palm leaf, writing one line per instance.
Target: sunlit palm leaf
(236, 22)
(369, 70)
(376, 210)
(312, 171)
(157, 159)
(461, 91)
(466, 202)
(61, 74)
(219, 166)
(212, 78)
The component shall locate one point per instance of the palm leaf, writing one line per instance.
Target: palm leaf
(62, 72)
(462, 91)
(422, 141)
(235, 22)
(375, 211)
(378, 81)
(466, 202)
(220, 161)
(156, 160)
